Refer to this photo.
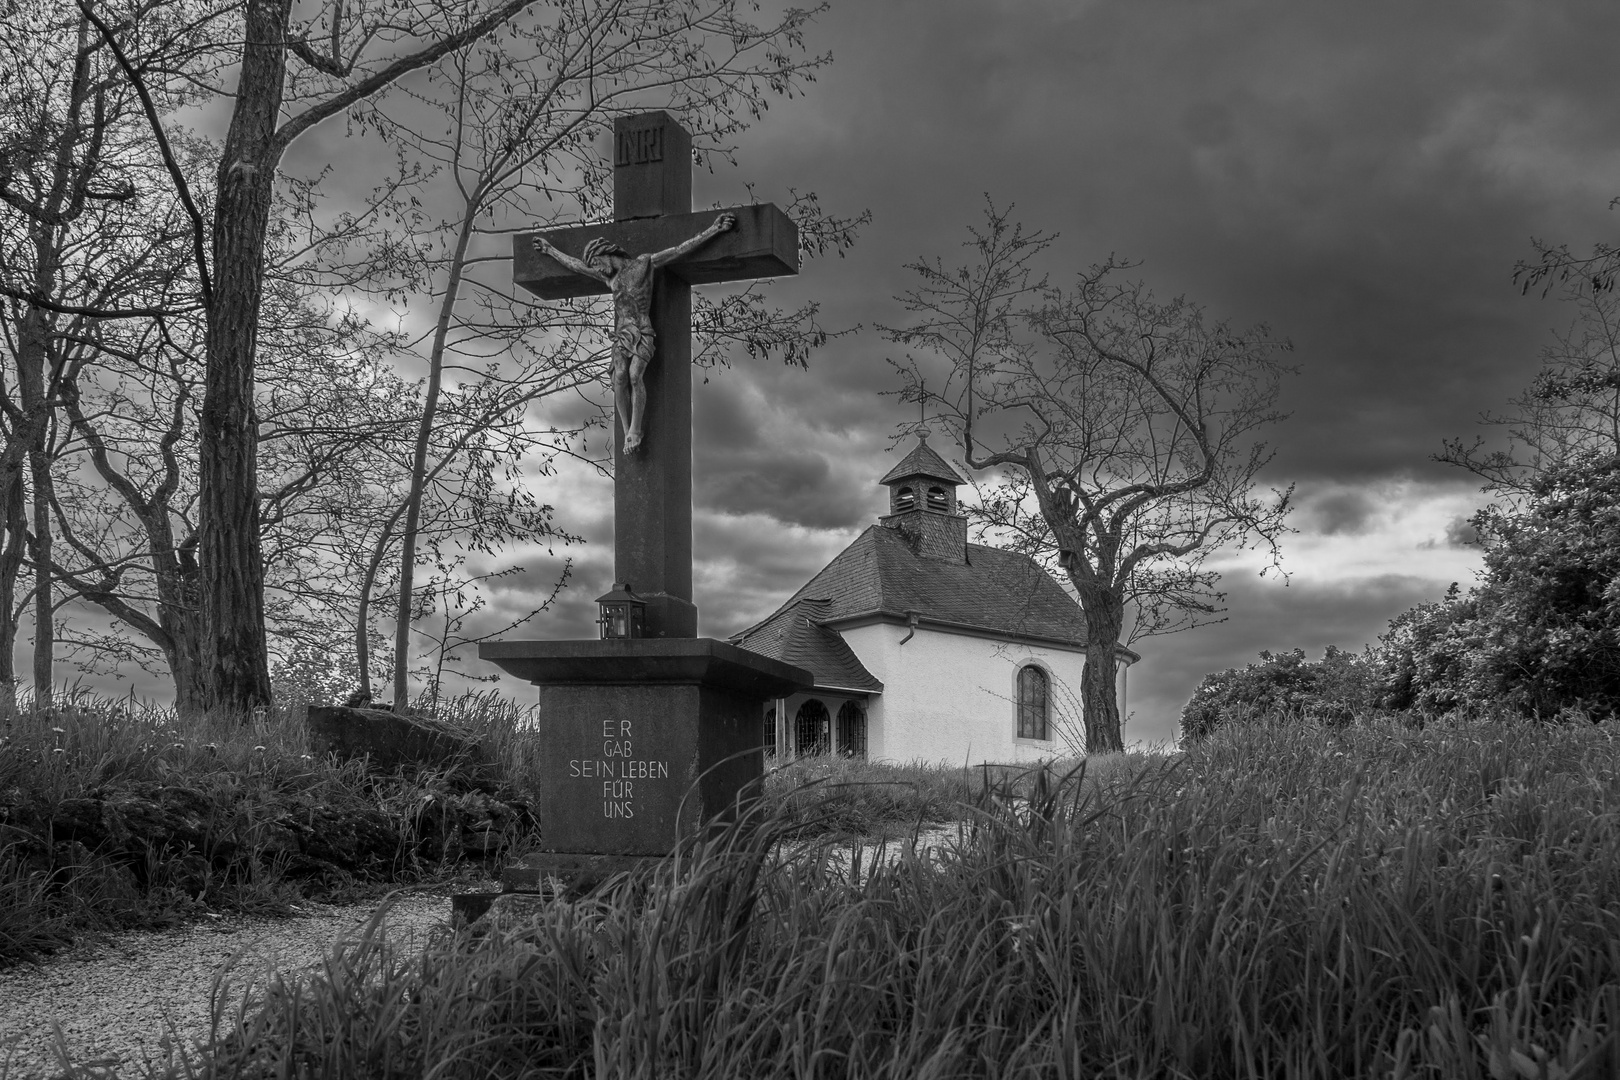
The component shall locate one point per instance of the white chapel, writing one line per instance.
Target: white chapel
(926, 647)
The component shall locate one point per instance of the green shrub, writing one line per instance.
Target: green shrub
(1540, 634)
(1427, 660)
(1335, 688)
(1549, 603)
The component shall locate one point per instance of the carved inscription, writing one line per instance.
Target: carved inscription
(642, 146)
(618, 770)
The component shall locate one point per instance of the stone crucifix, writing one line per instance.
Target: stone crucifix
(630, 279)
(648, 258)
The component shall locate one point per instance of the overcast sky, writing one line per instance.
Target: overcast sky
(1360, 176)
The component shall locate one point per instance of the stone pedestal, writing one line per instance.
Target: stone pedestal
(647, 739)
(643, 741)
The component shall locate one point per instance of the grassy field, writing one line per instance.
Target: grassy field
(1283, 900)
(839, 798)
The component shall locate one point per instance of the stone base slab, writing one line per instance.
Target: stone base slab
(643, 740)
(550, 871)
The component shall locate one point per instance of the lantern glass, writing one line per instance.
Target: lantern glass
(622, 614)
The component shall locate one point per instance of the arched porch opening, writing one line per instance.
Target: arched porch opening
(852, 730)
(812, 729)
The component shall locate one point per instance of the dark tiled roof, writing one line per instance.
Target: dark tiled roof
(795, 635)
(923, 461)
(995, 590)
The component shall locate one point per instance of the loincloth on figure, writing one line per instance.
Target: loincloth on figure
(633, 341)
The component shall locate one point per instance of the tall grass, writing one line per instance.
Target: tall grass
(835, 796)
(1285, 900)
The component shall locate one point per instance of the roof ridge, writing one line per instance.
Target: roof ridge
(1000, 591)
(808, 587)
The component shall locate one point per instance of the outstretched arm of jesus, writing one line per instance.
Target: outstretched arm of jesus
(669, 255)
(546, 247)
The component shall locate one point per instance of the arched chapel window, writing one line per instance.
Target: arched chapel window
(1034, 703)
(852, 730)
(770, 733)
(812, 729)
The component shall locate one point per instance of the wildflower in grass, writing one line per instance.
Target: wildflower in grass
(258, 749)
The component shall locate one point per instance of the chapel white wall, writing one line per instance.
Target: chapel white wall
(950, 698)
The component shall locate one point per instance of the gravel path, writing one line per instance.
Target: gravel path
(115, 1000)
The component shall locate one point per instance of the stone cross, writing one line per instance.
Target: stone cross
(652, 204)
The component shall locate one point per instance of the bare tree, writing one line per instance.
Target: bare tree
(290, 76)
(293, 74)
(1124, 428)
(125, 490)
(76, 251)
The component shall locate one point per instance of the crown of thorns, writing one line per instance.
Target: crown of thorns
(601, 246)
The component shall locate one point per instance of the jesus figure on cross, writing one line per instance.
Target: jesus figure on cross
(630, 279)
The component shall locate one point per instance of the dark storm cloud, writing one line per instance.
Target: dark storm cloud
(779, 469)
(762, 565)
(796, 489)
(1362, 177)
(573, 613)
(1460, 532)
(1348, 511)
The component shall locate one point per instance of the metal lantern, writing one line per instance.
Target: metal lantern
(623, 612)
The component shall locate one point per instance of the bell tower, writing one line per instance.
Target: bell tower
(923, 506)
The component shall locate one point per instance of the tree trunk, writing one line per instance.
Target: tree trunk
(13, 540)
(184, 652)
(28, 432)
(1105, 620)
(362, 618)
(235, 658)
(424, 432)
(362, 640)
(177, 631)
(44, 610)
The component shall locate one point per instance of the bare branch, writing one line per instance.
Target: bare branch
(181, 187)
(366, 87)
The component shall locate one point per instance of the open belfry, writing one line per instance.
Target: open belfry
(648, 731)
